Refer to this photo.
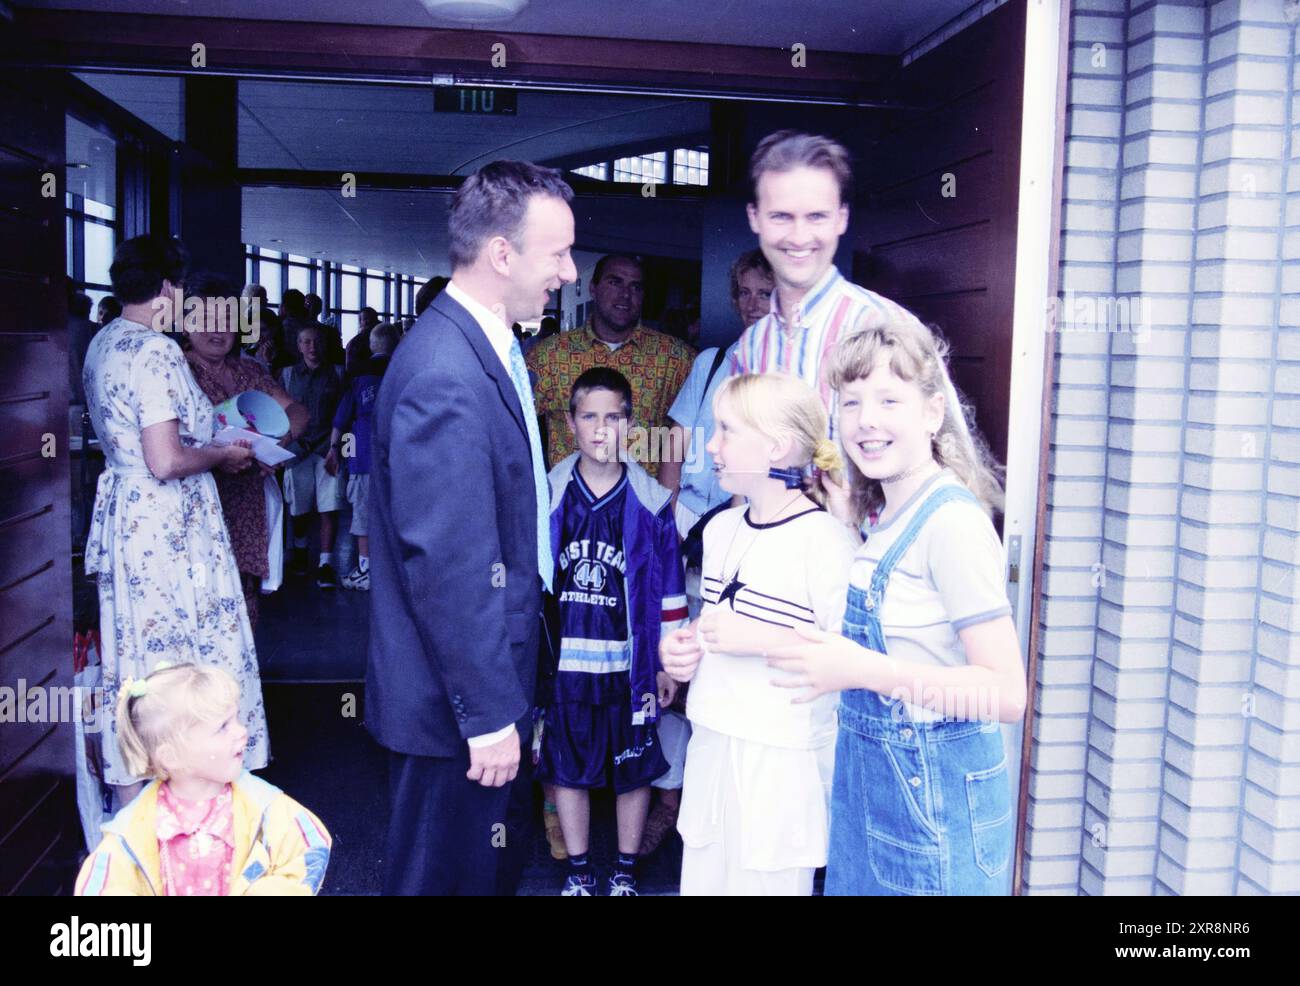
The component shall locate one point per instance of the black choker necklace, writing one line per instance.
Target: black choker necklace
(792, 476)
(898, 477)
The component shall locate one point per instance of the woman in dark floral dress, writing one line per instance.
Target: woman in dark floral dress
(222, 372)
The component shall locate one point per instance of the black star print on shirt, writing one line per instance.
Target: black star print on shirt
(729, 591)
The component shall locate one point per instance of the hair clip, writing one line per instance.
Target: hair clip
(139, 687)
(792, 477)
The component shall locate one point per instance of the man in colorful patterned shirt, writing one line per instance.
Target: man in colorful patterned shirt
(655, 364)
(801, 186)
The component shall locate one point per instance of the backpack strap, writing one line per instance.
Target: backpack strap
(718, 357)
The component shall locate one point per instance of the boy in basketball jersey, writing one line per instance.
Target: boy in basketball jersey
(620, 586)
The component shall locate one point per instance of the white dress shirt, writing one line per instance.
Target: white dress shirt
(493, 325)
(500, 338)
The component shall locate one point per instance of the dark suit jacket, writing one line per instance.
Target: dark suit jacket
(455, 594)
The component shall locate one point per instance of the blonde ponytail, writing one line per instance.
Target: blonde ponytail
(135, 756)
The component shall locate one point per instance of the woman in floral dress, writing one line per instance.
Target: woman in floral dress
(168, 585)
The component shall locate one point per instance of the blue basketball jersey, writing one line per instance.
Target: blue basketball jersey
(591, 584)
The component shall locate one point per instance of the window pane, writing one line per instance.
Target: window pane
(248, 271)
(271, 254)
(99, 252)
(94, 294)
(268, 275)
(349, 326)
(375, 291)
(690, 166)
(68, 240)
(642, 168)
(351, 291)
(92, 167)
(300, 278)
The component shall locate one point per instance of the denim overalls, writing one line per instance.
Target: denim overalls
(916, 807)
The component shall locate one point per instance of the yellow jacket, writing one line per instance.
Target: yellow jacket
(281, 848)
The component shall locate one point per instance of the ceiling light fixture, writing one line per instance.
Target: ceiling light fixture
(475, 11)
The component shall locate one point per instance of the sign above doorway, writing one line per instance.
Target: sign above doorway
(474, 99)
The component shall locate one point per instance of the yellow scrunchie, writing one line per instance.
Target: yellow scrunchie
(826, 456)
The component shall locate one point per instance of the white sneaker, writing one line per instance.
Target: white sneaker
(579, 886)
(357, 579)
(622, 885)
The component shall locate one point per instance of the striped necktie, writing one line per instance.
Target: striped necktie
(524, 389)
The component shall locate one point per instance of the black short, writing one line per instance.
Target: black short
(596, 746)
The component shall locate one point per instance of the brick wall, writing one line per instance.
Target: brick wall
(1167, 730)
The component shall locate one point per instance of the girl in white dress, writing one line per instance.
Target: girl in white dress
(758, 768)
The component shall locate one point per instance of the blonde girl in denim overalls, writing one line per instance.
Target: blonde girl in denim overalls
(928, 663)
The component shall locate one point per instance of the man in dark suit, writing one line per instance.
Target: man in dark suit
(457, 556)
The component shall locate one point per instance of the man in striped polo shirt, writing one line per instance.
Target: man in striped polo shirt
(801, 185)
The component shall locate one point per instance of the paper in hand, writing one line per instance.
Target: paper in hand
(265, 449)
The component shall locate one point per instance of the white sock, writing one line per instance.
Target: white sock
(327, 558)
(363, 563)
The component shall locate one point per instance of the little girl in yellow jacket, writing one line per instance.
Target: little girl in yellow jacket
(203, 825)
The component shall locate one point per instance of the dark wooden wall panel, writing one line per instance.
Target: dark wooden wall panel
(908, 208)
(951, 258)
(37, 805)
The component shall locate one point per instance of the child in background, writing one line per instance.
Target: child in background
(204, 826)
(316, 384)
(758, 768)
(353, 417)
(928, 664)
(619, 584)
